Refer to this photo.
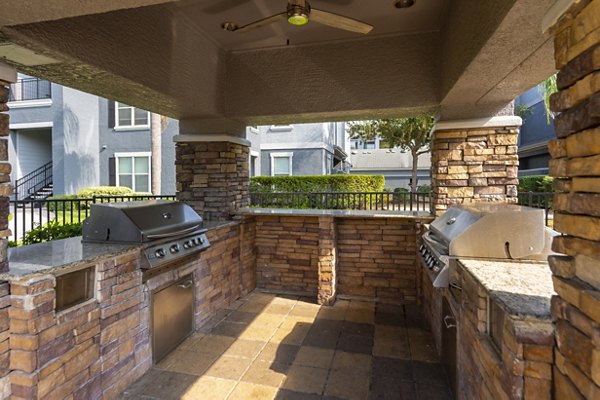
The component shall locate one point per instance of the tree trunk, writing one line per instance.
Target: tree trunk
(156, 134)
(415, 166)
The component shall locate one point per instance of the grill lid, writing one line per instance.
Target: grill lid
(139, 221)
(494, 230)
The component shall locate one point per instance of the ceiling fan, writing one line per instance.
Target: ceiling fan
(298, 13)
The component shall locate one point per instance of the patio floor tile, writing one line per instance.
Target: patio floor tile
(252, 391)
(305, 379)
(314, 357)
(288, 348)
(209, 388)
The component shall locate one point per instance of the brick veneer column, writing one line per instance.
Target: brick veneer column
(213, 176)
(327, 261)
(576, 167)
(474, 160)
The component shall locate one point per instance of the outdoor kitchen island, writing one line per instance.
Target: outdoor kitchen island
(498, 313)
(76, 316)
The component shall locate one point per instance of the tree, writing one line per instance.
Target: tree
(546, 89)
(412, 134)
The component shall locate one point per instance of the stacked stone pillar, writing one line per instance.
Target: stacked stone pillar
(576, 168)
(473, 161)
(213, 175)
(327, 261)
(7, 75)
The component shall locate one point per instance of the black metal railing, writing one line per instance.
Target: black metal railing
(392, 201)
(541, 200)
(30, 89)
(27, 215)
(33, 182)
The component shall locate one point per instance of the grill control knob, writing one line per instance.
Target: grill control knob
(174, 249)
(160, 253)
(188, 243)
(436, 268)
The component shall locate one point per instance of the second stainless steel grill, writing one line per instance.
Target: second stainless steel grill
(484, 230)
(172, 228)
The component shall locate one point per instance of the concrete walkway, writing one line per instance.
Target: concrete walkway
(279, 347)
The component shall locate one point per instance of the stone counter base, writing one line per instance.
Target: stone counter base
(368, 258)
(94, 350)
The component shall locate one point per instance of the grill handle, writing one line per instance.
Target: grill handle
(171, 234)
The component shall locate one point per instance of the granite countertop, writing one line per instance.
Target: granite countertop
(522, 288)
(57, 255)
(335, 213)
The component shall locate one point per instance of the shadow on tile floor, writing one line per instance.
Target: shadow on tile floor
(282, 347)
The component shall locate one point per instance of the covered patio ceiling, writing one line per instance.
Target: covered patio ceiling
(461, 59)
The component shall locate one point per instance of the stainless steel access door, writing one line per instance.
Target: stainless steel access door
(172, 316)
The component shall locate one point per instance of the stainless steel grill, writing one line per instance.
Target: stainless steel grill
(172, 229)
(484, 230)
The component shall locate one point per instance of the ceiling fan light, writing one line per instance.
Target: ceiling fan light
(298, 19)
(404, 3)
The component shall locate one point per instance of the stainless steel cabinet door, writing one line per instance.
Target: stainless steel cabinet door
(172, 316)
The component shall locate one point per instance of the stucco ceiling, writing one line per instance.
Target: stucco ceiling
(208, 15)
(460, 58)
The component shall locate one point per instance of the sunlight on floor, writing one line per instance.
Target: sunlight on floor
(286, 347)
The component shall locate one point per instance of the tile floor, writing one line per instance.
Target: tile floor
(284, 347)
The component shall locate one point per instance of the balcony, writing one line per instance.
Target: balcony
(30, 92)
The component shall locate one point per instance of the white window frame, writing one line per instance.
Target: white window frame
(289, 155)
(130, 127)
(134, 154)
(256, 162)
(281, 128)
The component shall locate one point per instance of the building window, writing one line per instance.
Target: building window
(281, 164)
(281, 128)
(254, 166)
(130, 117)
(133, 171)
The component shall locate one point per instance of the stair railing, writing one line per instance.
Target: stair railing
(34, 181)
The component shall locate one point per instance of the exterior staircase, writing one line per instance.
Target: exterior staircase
(36, 185)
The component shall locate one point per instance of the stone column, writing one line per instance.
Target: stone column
(327, 261)
(474, 160)
(212, 174)
(576, 168)
(8, 75)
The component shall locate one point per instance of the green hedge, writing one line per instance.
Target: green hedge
(60, 205)
(535, 183)
(98, 191)
(325, 183)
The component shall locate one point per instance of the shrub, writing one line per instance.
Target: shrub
(51, 231)
(325, 183)
(535, 183)
(424, 189)
(401, 190)
(108, 191)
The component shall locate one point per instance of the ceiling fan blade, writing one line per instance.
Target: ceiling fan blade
(339, 21)
(260, 23)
